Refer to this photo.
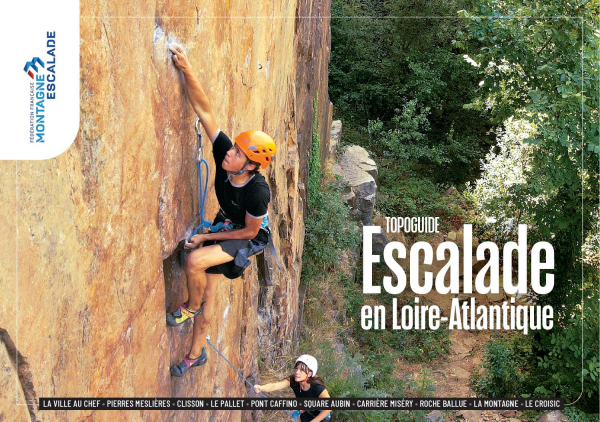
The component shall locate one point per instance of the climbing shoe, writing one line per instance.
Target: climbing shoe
(182, 314)
(180, 369)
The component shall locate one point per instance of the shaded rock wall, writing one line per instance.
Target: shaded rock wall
(312, 46)
(86, 268)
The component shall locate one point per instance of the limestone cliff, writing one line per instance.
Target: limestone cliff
(86, 268)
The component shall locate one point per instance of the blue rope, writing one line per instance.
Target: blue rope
(292, 415)
(203, 189)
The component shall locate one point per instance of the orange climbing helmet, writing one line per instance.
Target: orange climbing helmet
(258, 146)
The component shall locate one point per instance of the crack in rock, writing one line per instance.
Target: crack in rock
(23, 372)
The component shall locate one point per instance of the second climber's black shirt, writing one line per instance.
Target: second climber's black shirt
(314, 391)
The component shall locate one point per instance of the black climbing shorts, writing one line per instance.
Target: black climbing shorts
(241, 251)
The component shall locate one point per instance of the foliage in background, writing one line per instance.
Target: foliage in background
(501, 372)
(400, 85)
(328, 231)
(395, 74)
(539, 68)
(385, 51)
(591, 246)
(547, 366)
(576, 415)
(315, 174)
(405, 139)
(329, 235)
(330, 293)
(498, 193)
(411, 195)
(569, 355)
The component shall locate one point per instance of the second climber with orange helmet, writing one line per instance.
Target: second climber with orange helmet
(243, 196)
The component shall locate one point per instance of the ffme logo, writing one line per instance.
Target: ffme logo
(32, 64)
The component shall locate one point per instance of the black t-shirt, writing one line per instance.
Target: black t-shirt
(236, 201)
(313, 392)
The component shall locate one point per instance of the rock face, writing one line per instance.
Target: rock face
(380, 241)
(336, 135)
(15, 372)
(358, 172)
(86, 267)
(556, 416)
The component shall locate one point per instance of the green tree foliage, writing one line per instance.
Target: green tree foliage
(539, 68)
(327, 229)
(497, 195)
(383, 51)
(393, 62)
(501, 375)
(570, 354)
(404, 140)
(542, 67)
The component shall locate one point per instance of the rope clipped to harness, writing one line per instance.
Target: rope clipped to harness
(203, 188)
(292, 415)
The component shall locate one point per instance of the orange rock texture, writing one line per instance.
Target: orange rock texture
(87, 268)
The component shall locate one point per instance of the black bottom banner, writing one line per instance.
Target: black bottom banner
(215, 403)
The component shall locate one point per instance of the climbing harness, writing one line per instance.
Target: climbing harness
(292, 415)
(203, 188)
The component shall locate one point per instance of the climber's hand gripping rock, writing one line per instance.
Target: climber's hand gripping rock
(179, 57)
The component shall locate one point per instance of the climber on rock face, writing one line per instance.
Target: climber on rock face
(306, 384)
(243, 196)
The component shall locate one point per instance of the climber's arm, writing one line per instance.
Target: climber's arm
(274, 386)
(196, 94)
